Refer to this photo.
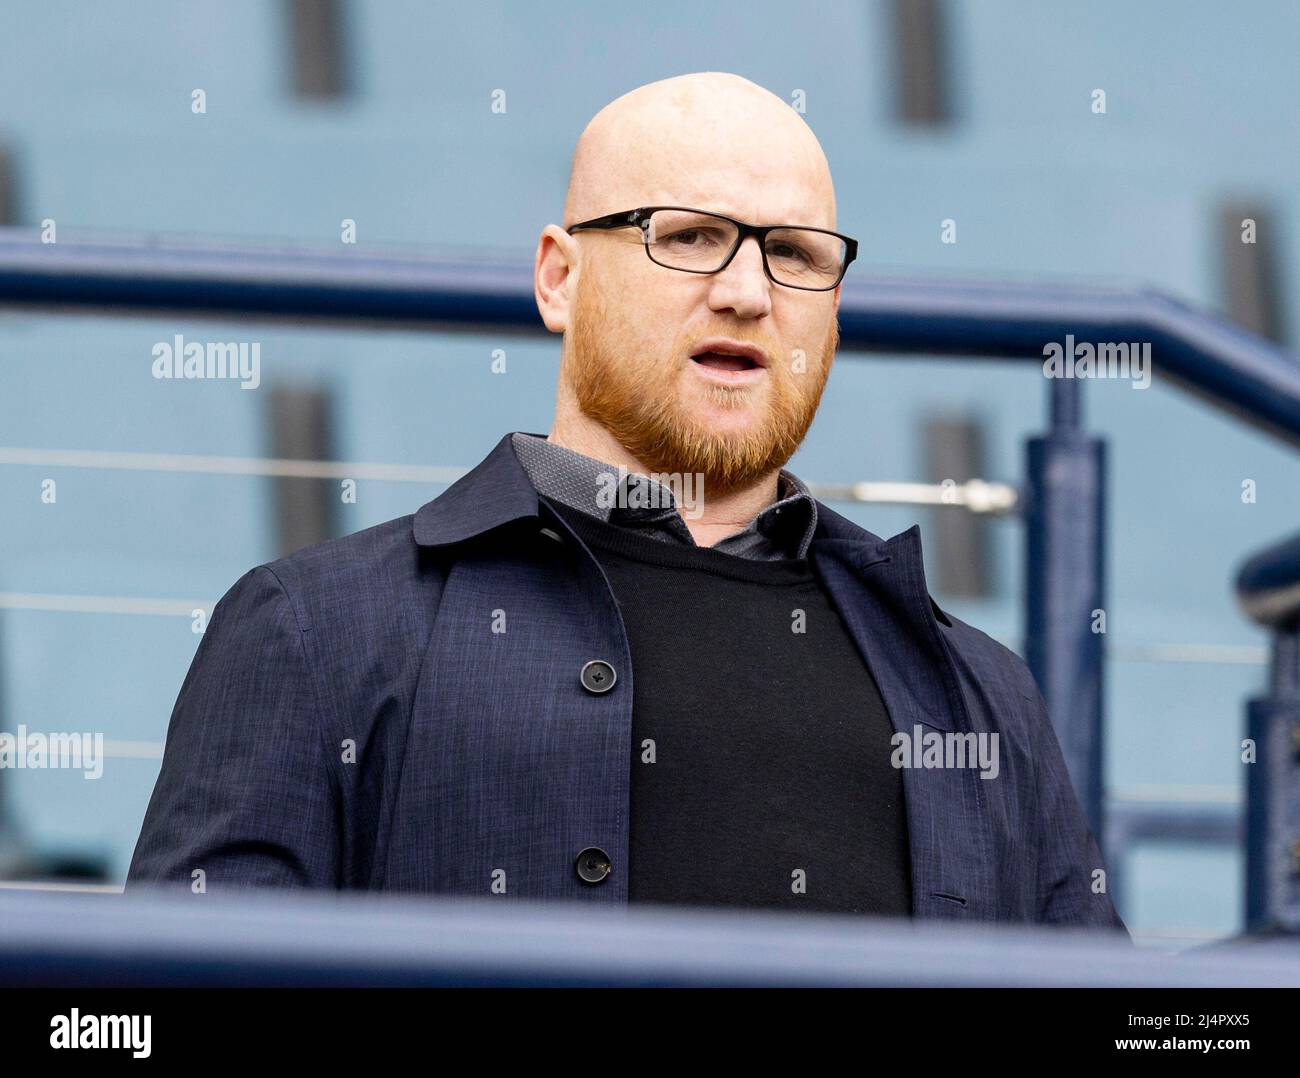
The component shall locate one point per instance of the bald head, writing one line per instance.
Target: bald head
(711, 141)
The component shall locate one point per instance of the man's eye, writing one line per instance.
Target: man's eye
(691, 237)
(784, 250)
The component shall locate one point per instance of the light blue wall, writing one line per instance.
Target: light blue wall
(94, 107)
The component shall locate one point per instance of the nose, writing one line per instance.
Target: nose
(743, 286)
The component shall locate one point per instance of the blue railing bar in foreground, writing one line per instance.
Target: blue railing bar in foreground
(355, 938)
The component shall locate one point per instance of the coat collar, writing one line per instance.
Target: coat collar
(497, 490)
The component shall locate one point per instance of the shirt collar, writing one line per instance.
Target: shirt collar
(595, 487)
(497, 491)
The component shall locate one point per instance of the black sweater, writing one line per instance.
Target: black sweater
(760, 771)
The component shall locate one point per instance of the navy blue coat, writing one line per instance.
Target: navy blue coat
(351, 720)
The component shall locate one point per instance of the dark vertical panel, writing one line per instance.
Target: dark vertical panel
(316, 29)
(8, 835)
(10, 847)
(957, 540)
(920, 62)
(1250, 271)
(305, 510)
(8, 196)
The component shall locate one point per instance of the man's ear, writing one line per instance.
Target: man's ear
(554, 276)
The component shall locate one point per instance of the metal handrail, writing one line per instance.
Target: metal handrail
(329, 939)
(1250, 377)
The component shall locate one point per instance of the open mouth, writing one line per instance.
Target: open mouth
(723, 361)
(728, 356)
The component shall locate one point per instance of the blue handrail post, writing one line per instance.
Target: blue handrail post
(1273, 793)
(1268, 589)
(1065, 589)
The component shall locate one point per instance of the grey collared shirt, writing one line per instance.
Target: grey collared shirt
(783, 530)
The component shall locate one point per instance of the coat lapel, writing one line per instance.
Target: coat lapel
(879, 588)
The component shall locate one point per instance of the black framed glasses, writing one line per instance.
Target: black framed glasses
(694, 241)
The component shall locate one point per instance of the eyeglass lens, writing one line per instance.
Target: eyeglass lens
(701, 242)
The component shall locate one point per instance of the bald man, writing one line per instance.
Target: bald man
(634, 660)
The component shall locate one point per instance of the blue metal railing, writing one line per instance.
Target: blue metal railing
(1233, 369)
(1255, 381)
(1268, 587)
(324, 939)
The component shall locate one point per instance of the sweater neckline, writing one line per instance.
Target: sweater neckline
(625, 542)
